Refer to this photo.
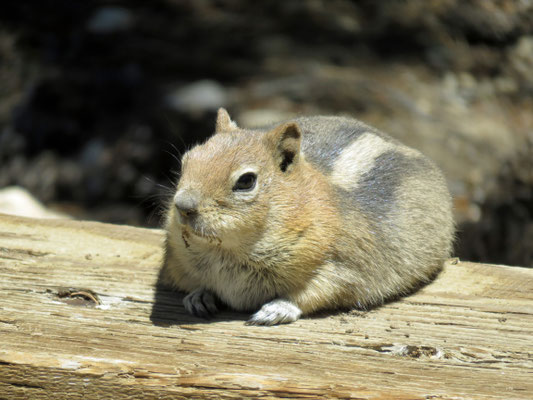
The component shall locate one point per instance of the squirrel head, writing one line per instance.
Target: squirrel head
(230, 184)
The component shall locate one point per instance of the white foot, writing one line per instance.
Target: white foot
(276, 312)
(201, 303)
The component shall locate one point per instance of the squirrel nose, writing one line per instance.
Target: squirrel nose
(186, 202)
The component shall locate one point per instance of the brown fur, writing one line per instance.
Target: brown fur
(308, 234)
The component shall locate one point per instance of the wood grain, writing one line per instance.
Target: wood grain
(81, 317)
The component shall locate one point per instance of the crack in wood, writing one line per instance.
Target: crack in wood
(74, 296)
(22, 252)
(26, 385)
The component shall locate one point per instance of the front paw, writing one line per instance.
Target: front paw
(276, 312)
(201, 303)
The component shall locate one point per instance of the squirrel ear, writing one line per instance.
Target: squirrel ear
(285, 143)
(224, 122)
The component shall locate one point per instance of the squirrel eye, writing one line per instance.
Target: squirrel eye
(246, 182)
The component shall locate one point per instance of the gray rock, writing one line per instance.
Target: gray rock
(199, 96)
(110, 19)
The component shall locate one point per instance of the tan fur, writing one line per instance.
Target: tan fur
(322, 233)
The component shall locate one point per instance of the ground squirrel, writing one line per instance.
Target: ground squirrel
(316, 213)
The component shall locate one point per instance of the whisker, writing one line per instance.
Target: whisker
(174, 156)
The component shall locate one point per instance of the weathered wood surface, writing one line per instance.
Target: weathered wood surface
(467, 335)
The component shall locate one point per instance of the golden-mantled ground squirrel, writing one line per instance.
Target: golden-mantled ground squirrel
(317, 213)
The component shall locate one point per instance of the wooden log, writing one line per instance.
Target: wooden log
(81, 317)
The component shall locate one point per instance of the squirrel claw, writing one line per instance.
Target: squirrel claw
(277, 311)
(201, 303)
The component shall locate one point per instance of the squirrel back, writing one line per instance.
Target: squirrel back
(314, 213)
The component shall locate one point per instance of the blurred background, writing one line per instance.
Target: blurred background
(98, 98)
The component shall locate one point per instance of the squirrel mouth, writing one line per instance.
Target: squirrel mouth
(196, 230)
(193, 227)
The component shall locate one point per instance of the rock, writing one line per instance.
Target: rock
(18, 201)
(109, 20)
(262, 117)
(198, 97)
(521, 60)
